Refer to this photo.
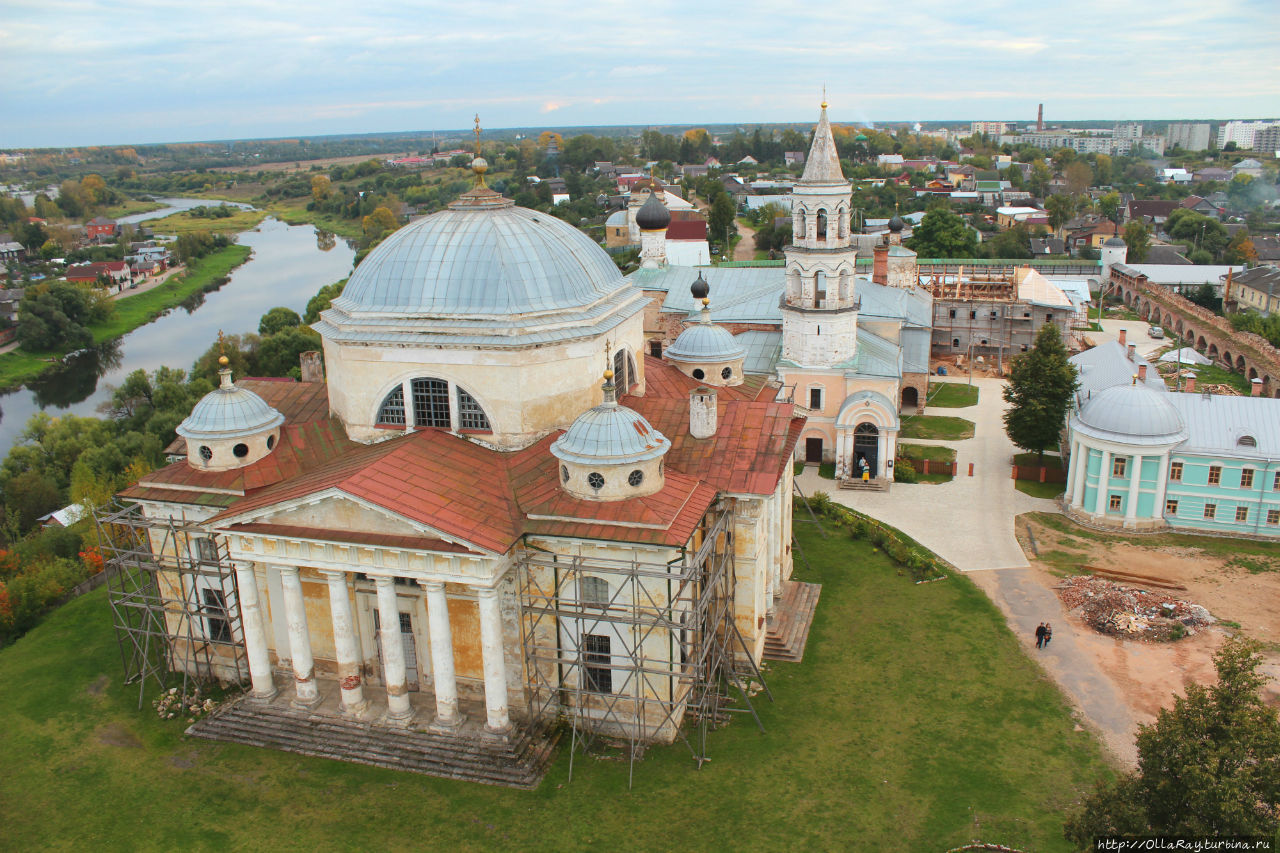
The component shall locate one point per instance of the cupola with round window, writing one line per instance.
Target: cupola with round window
(704, 351)
(230, 427)
(610, 452)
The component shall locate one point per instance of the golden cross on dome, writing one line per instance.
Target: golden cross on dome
(477, 133)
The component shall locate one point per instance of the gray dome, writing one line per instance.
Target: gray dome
(896, 224)
(1115, 242)
(481, 257)
(705, 342)
(1134, 414)
(610, 434)
(229, 412)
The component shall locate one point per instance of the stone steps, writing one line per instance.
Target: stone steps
(875, 485)
(788, 631)
(519, 761)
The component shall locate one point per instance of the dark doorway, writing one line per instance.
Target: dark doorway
(866, 440)
(813, 450)
(910, 398)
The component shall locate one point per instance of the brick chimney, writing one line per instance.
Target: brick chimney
(1142, 373)
(1133, 352)
(1255, 388)
(1189, 385)
(312, 367)
(880, 264)
(1124, 333)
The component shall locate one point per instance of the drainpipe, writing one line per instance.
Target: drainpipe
(1262, 494)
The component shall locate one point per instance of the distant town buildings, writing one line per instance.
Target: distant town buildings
(1189, 136)
(1242, 133)
(989, 128)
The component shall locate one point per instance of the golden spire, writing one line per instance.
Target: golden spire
(477, 133)
(824, 96)
(479, 166)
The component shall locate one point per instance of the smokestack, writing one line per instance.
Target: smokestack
(1040, 118)
(1255, 388)
(1190, 384)
(312, 366)
(880, 264)
(702, 412)
(1124, 333)
(1133, 352)
(1142, 373)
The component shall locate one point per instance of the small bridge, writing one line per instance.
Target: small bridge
(1244, 352)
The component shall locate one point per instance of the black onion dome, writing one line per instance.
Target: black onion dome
(700, 289)
(653, 214)
(896, 224)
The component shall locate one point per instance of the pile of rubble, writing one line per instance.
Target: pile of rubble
(1111, 608)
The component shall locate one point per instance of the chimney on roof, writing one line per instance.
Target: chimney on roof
(1142, 373)
(702, 412)
(1190, 385)
(1133, 352)
(880, 263)
(1255, 388)
(1123, 335)
(312, 366)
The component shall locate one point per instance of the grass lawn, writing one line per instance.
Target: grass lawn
(131, 206)
(952, 395)
(1212, 374)
(183, 223)
(932, 452)
(1051, 460)
(131, 312)
(1218, 546)
(1039, 490)
(916, 722)
(295, 212)
(936, 427)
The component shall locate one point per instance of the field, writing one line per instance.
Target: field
(941, 427)
(952, 395)
(914, 723)
(183, 223)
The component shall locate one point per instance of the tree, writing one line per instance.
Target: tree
(321, 187)
(1079, 177)
(54, 317)
(720, 218)
(1109, 205)
(1039, 393)
(1060, 207)
(278, 319)
(1209, 766)
(379, 223)
(1241, 249)
(1038, 183)
(943, 234)
(1137, 236)
(1014, 243)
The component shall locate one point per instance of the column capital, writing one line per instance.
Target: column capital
(432, 586)
(285, 569)
(334, 574)
(382, 581)
(485, 592)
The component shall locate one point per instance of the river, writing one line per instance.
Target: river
(288, 265)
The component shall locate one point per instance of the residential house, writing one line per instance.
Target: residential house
(9, 300)
(100, 229)
(1152, 211)
(1257, 289)
(1213, 173)
(1268, 249)
(1248, 167)
(793, 158)
(116, 273)
(12, 252)
(1201, 205)
(1044, 246)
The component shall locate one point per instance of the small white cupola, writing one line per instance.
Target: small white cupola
(610, 452)
(230, 427)
(705, 351)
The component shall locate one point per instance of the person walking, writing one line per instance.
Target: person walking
(1040, 631)
(1048, 634)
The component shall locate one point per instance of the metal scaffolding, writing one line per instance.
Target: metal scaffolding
(173, 600)
(628, 649)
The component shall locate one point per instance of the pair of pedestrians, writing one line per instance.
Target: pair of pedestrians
(1044, 633)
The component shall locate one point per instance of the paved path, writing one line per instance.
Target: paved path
(969, 521)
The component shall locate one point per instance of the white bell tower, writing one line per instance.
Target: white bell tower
(820, 305)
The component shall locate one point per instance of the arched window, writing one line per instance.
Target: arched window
(819, 289)
(593, 591)
(470, 415)
(432, 407)
(624, 371)
(800, 232)
(1246, 441)
(822, 224)
(391, 412)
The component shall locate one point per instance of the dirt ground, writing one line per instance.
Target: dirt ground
(1149, 674)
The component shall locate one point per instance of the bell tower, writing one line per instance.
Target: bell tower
(820, 304)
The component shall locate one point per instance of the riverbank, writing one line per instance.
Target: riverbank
(296, 213)
(185, 222)
(20, 366)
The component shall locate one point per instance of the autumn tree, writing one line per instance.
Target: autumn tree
(379, 223)
(321, 188)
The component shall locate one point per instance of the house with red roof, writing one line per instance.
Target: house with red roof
(114, 274)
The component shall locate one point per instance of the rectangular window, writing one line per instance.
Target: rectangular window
(1210, 510)
(953, 313)
(1242, 513)
(216, 627)
(1048, 318)
(1275, 484)
(1215, 475)
(1273, 516)
(431, 403)
(596, 658)
(1246, 478)
(206, 550)
(1118, 466)
(1175, 471)
(973, 315)
(1170, 507)
(1114, 505)
(815, 399)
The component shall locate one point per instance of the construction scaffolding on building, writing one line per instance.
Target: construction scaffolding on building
(683, 609)
(171, 588)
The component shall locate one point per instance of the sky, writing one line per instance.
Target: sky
(85, 72)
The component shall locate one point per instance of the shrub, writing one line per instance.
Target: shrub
(904, 471)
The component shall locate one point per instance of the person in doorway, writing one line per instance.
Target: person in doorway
(1048, 634)
(1040, 636)
(863, 468)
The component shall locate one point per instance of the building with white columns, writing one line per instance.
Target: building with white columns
(465, 530)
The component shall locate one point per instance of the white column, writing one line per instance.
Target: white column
(255, 632)
(344, 642)
(1162, 485)
(406, 389)
(1080, 459)
(295, 614)
(398, 708)
(1135, 481)
(442, 672)
(775, 539)
(1104, 479)
(495, 664)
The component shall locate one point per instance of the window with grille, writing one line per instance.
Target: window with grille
(1215, 475)
(1175, 471)
(391, 413)
(593, 591)
(595, 663)
(1246, 478)
(815, 398)
(1242, 513)
(470, 415)
(216, 626)
(1170, 507)
(206, 550)
(431, 403)
(624, 371)
(1210, 510)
